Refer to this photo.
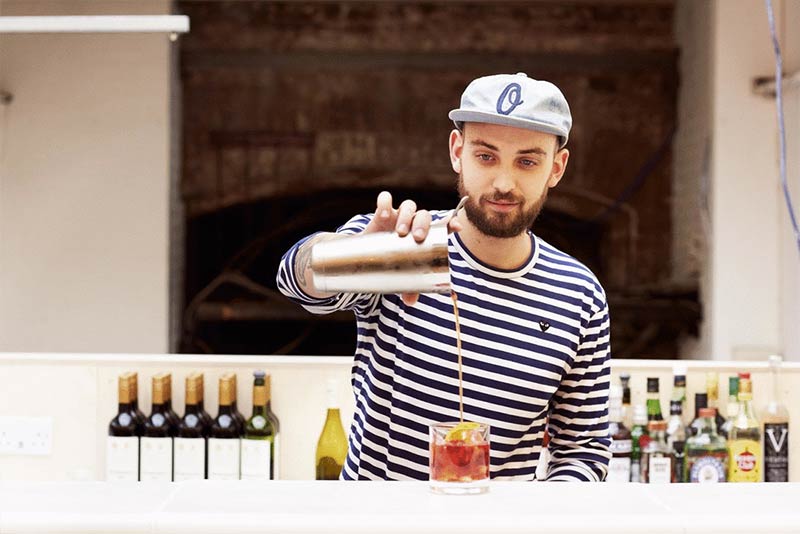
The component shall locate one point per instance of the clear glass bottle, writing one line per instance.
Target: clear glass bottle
(653, 400)
(657, 458)
(676, 438)
(712, 390)
(706, 452)
(639, 438)
(744, 444)
(733, 406)
(776, 430)
(258, 453)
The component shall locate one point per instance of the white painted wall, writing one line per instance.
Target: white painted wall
(84, 184)
(748, 246)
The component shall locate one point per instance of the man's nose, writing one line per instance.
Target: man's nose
(503, 182)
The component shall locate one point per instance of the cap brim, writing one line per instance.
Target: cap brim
(461, 115)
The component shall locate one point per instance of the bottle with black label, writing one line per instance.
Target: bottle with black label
(190, 442)
(700, 402)
(776, 430)
(159, 429)
(676, 437)
(224, 445)
(619, 467)
(639, 439)
(122, 445)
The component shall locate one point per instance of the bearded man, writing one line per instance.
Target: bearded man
(534, 321)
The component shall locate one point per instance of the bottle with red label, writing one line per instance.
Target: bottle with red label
(744, 442)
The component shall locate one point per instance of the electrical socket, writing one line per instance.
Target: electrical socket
(26, 436)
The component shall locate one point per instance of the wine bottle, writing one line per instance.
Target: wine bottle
(190, 442)
(259, 436)
(224, 448)
(122, 443)
(776, 430)
(240, 420)
(133, 380)
(170, 413)
(201, 400)
(159, 429)
(332, 443)
(619, 467)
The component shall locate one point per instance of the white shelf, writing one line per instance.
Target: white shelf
(96, 24)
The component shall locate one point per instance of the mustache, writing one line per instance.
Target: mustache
(503, 197)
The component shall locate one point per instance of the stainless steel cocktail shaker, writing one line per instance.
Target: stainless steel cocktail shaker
(383, 262)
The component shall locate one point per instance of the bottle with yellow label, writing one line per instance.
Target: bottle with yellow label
(744, 442)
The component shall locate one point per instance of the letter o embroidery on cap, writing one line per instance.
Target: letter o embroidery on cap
(510, 98)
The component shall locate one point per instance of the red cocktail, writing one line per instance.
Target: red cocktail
(459, 457)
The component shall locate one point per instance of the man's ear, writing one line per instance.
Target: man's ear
(559, 166)
(456, 148)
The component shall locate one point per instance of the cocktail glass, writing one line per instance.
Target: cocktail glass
(459, 462)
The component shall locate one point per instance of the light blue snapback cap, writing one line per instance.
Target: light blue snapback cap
(518, 101)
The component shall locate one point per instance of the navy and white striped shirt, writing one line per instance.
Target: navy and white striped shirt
(535, 340)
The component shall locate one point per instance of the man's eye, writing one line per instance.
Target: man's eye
(528, 162)
(485, 157)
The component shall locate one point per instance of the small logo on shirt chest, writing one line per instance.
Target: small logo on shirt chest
(544, 325)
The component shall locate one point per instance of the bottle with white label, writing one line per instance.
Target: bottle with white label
(619, 467)
(190, 442)
(224, 443)
(122, 445)
(258, 453)
(159, 429)
(657, 458)
(776, 430)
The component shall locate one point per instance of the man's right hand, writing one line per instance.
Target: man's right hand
(403, 220)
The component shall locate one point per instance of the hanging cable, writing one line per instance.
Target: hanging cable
(781, 129)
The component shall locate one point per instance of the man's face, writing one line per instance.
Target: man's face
(506, 173)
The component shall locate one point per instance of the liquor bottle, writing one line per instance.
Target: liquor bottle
(200, 400)
(122, 443)
(712, 390)
(700, 402)
(224, 449)
(706, 452)
(732, 408)
(679, 386)
(133, 380)
(619, 467)
(332, 443)
(627, 412)
(259, 436)
(744, 443)
(776, 430)
(276, 426)
(653, 400)
(657, 459)
(174, 417)
(156, 442)
(240, 420)
(676, 438)
(639, 439)
(190, 442)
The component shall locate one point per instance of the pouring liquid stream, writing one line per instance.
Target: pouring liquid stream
(458, 348)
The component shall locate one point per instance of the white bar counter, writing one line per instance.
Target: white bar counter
(409, 507)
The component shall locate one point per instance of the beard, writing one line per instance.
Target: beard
(502, 225)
